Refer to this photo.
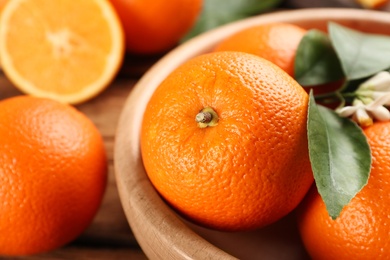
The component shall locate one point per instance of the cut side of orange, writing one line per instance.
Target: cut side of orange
(65, 50)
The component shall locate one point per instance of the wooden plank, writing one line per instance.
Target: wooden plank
(86, 253)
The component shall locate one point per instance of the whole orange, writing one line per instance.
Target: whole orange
(363, 227)
(276, 42)
(373, 4)
(52, 174)
(2, 4)
(154, 26)
(223, 140)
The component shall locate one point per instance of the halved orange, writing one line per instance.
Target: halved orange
(66, 50)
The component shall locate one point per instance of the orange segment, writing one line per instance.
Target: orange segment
(65, 50)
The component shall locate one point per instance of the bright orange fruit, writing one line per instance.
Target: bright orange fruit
(276, 42)
(154, 26)
(64, 50)
(372, 4)
(249, 165)
(53, 174)
(2, 4)
(362, 230)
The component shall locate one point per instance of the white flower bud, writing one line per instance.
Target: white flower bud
(372, 97)
(362, 117)
(346, 111)
(379, 82)
(381, 113)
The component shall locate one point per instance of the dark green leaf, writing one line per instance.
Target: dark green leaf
(361, 54)
(339, 154)
(219, 12)
(316, 61)
(352, 85)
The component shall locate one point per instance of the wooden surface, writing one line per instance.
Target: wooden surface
(109, 236)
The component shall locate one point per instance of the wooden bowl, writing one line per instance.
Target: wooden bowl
(161, 233)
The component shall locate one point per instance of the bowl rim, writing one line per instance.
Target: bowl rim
(158, 230)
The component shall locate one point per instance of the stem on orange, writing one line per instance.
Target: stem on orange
(207, 117)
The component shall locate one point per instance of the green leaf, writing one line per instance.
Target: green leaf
(339, 154)
(316, 62)
(361, 54)
(219, 12)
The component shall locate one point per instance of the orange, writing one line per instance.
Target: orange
(223, 140)
(52, 174)
(276, 42)
(372, 4)
(68, 51)
(362, 230)
(154, 26)
(2, 4)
